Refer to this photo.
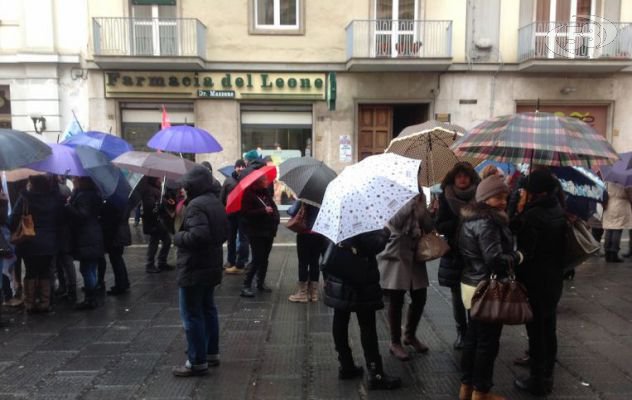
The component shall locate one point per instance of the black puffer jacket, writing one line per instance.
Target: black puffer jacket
(151, 210)
(47, 212)
(257, 222)
(83, 212)
(344, 296)
(541, 232)
(450, 265)
(485, 242)
(115, 224)
(229, 184)
(204, 229)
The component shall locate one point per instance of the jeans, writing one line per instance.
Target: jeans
(119, 269)
(88, 269)
(137, 215)
(309, 248)
(613, 240)
(458, 310)
(38, 267)
(415, 311)
(238, 251)
(261, 248)
(482, 341)
(368, 335)
(152, 248)
(201, 324)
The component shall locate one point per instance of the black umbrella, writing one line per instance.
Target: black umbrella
(108, 178)
(18, 149)
(307, 177)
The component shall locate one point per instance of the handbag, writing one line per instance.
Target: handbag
(503, 302)
(580, 243)
(431, 246)
(26, 227)
(345, 263)
(298, 222)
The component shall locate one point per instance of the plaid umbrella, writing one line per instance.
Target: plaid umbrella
(537, 138)
(429, 142)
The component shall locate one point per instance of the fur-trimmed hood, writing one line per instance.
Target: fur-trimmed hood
(477, 211)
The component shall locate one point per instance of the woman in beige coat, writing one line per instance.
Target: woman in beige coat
(617, 216)
(401, 273)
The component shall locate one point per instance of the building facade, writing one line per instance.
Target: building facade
(338, 79)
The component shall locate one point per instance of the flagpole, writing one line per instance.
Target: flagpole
(78, 123)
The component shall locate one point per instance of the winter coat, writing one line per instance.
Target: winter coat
(345, 296)
(87, 236)
(311, 213)
(450, 265)
(541, 236)
(204, 230)
(229, 184)
(485, 243)
(115, 224)
(398, 268)
(47, 212)
(618, 212)
(258, 223)
(152, 211)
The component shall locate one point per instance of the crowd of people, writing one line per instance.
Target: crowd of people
(493, 225)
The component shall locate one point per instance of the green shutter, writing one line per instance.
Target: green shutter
(150, 2)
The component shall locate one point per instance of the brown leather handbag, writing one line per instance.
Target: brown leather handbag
(297, 223)
(26, 227)
(503, 302)
(431, 246)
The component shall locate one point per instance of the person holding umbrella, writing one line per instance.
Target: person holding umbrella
(153, 212)
(238, 250)
(617, 216)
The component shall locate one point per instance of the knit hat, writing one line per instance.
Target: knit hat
(252, 155)
(541, 181)
(490, 187)
(240, 163)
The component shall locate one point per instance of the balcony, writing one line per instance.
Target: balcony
(399, 45)
(149, 43)
(575, 47)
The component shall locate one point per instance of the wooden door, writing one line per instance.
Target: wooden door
(375, 129)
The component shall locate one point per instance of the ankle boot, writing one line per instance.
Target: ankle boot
(378, 380)
(301, 295)
(29, 295)
(398, 351)
(533, 385)
(412, 322)
(476, 395)
(44, 289)
(313, 291)
(348, 369)
(465, 392)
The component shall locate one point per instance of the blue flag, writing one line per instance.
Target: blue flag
(72, 129)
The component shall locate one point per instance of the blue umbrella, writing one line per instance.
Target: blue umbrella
(619, 172)
(63, 161)
(184, 139)
(227, 170)
(580, 182)
(111, 145)
(107, 177)
(507, 168)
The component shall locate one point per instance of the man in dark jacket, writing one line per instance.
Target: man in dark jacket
(199, 269)
(153, 226)
(541, 232)
(116, 236)
(238, 251)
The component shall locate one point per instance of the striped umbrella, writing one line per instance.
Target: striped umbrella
(537, 138)
(307, 177)
(429, 142)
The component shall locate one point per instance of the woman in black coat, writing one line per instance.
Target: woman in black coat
(116, 236)
(541, 232)
(83, 212)
(46, 209)
(458, 190)
(346, 297)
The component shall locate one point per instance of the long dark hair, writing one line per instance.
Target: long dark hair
(462, 167)
(40, 183)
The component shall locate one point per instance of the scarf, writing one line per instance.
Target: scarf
(457, 198)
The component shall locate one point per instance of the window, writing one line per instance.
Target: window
(279, 15)
(155, 30)
(396, 31)
(562, 29)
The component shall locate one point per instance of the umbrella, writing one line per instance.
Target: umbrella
(184, 139)
(507, 168)
(537, 138)
(619, 172)
(107, 177)
(111, 145)
(307, 177)
(18, 149)
(227, 170)
(63, 161)
(429, 142)
(366, 195)
(233, 203)
(158, 165)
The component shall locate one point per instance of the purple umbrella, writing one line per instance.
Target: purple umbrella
(184, 139)
(63, 161)
(619, 172)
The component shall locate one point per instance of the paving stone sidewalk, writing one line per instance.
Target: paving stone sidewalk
(272, 349)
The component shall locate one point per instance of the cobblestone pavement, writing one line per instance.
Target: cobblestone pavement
(272, 349)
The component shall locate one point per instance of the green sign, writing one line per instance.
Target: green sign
(152, 2)
(331, 91)
(216, 94)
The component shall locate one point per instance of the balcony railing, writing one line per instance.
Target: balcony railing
(399, 39)
(165, 37)
(575, 40)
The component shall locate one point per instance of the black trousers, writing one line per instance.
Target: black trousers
(597, 233)
(309, 247)
(415, 310)
(237, 249)
(261, 248)
(542, 330)
(482, 340)
(38, 267)
(368, 336)
(152, 248)
(458, 309)
(119, 269)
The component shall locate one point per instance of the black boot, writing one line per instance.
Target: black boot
(534, 385)
(614, 258)
(378, 380)
(348, 369)
(90, 301)
(459, 343)
(246, 291)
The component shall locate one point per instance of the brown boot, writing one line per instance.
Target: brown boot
(476, 395)
(43, 287)
(313, 291)
(29, 294)
(465, 393)
(301, 294)
(412, 322)
(398, 351)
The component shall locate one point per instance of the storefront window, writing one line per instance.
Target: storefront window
(276, 138)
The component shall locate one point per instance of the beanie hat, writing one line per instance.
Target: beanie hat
(252, 155)
(207, 165)
(490, 187)
(240, 163)
(541, 181)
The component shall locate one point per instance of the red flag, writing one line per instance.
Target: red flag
(165, 119)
